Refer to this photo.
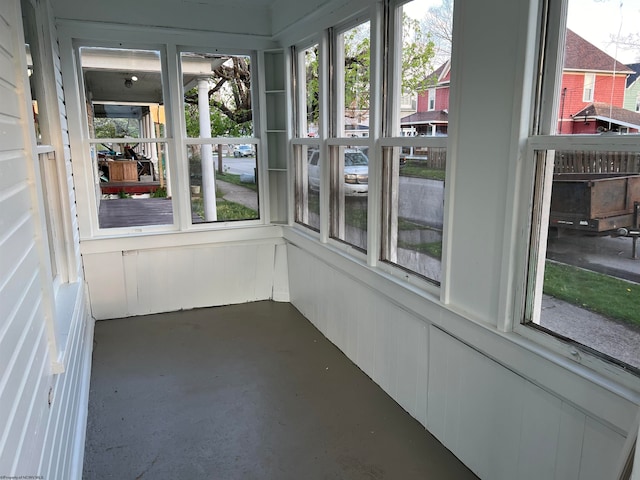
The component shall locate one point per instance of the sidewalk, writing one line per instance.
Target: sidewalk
(616, 339)
(238, 194)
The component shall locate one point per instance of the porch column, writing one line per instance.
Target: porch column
(206, 153)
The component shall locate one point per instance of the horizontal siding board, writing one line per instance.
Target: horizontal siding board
(67, 400)
(6, 65)
(30, 408)
(17, 384)
(13, 170)
(7, 13)
(11, 134)
(9, 101)
(17, 240)
(14, 206)
(12, 293)
(13, 324)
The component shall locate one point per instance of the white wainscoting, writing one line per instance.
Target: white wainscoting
(498, 421)
(142, 281)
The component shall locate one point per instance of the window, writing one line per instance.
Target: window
(583, 275)
(589, 87)
(50, 162)
(306, 151)
(348, 161)
(307, 192)
(408, 153)
(413, 169)
(217, 103)
(432, 99)
(127, 136)
(352, 79)
(132, 142)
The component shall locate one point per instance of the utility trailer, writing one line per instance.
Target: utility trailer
(597, 203)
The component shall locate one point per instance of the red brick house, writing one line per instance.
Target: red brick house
(432, 116)
(592, 95)
(592, 91)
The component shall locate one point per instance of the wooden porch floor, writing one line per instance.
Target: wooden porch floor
(136, 212)
(249, 391)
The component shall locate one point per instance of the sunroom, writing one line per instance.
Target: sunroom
(158, 159)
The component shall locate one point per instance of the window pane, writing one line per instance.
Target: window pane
(309, 107)
(217, 95)
(600, 71)
(425, 54)
(348, 190)
(232, 169)
(413, 208)
(307, 185)
(591, 275)
(353, 82)
(125, 92)
(133, 192)
(124, 89)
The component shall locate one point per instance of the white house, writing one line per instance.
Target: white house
(454, 349)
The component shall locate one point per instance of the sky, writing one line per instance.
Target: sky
(597, 20)
(594, 20)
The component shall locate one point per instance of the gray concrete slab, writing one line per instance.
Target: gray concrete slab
(249, 391)
(238, 194)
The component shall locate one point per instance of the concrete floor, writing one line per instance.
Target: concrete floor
(249, 391)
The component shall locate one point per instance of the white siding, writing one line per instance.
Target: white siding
(33, 400)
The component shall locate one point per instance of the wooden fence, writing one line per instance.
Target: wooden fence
(597, 162)
(433, 158)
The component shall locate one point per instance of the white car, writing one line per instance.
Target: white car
(356, 172)
(243, 151)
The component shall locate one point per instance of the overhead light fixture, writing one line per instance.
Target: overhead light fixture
(128, 82)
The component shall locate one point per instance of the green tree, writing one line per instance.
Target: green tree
(116, 127)
(418, 53)
(229, 99)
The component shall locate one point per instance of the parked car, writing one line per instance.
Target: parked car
(244, 151)
(356, 172)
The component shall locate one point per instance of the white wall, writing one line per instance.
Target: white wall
(42, 413)
(507, 412)
(138, 276)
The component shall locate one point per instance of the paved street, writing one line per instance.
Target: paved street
(239, 166)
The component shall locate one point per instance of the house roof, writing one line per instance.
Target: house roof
(435, 116)
(609, 113)
(634, 76)
(582, 55)
(439, 75)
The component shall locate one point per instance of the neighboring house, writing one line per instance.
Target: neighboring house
(596, 90)
(632, 93)
(432, 116)
(592, 90)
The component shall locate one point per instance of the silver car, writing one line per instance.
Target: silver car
(356, 172)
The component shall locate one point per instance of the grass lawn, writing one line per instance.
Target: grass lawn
(432, 249)
(235, 179)
(599, 293)
(225, 210)
(418, 169)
